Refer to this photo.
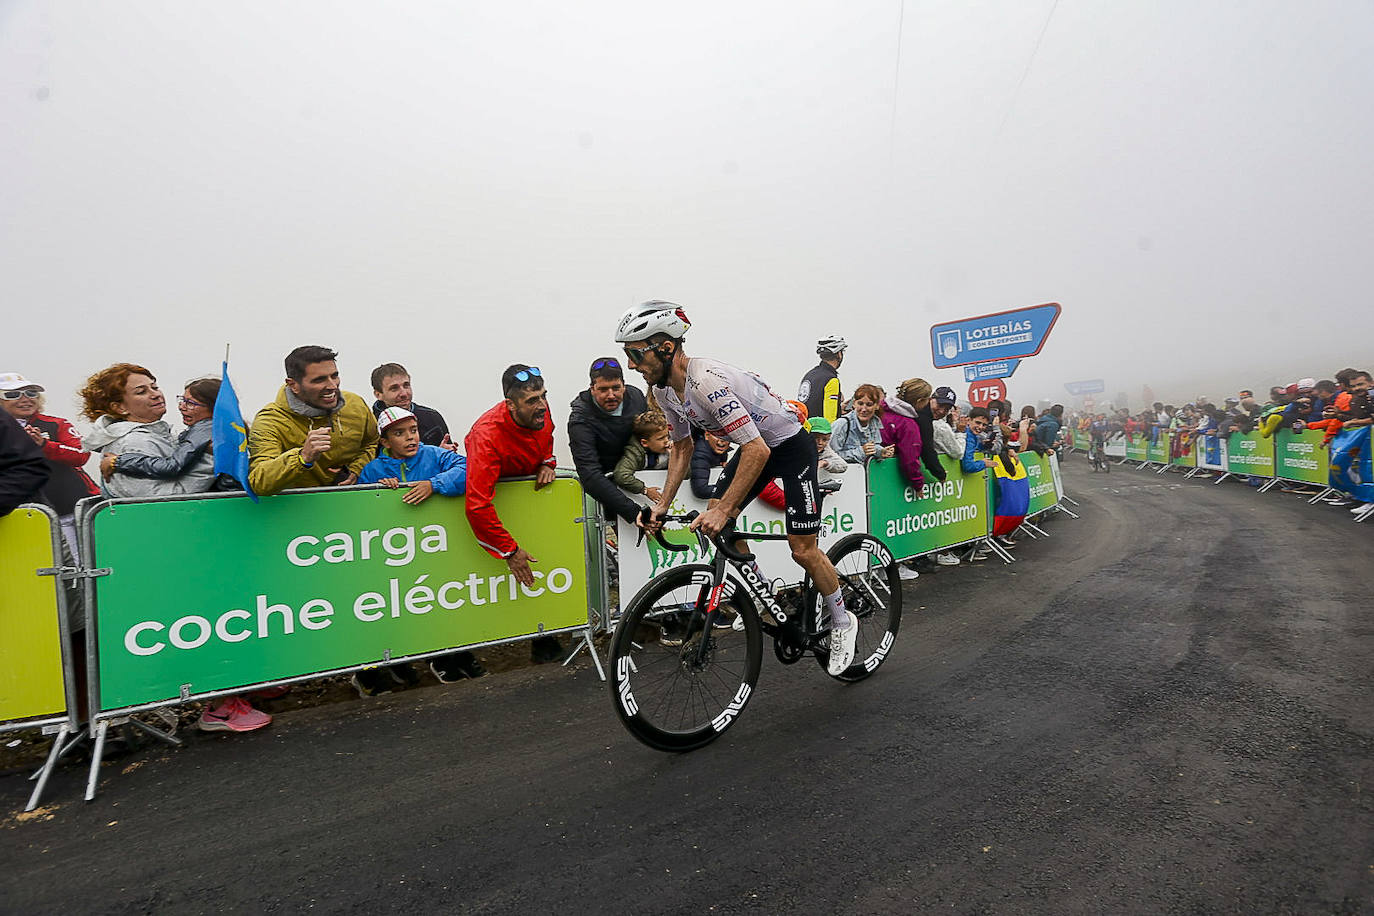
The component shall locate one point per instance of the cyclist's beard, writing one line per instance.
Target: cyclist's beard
(660, 374)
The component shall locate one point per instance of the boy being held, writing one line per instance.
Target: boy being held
(424, 470)
(647, 450)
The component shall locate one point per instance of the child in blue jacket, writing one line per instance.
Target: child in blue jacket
(424, 470)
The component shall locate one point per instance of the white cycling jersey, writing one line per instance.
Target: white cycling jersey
(732, 403)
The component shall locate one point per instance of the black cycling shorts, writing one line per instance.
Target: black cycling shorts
(792, 461)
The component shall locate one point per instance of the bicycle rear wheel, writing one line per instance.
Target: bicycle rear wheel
(872, 590)
(675, 685)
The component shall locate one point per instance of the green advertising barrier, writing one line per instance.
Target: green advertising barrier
(1301, 456)
(1250, 453)
(32, 688)
(207, 595)
(1188, 459)
(1042, 471)
(1158, 450)
(1138, 448)
(942, 515)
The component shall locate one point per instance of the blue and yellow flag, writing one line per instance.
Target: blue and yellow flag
(231, 435)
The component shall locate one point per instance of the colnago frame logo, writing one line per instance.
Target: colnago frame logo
(727, 715)
(763, 592)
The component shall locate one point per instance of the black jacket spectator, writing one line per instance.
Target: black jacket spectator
(433, 429)
(930, 457)
(704, 460)
(597, 440)
(23, 471)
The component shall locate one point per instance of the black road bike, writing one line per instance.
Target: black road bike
(686, 654)
(1098, 456)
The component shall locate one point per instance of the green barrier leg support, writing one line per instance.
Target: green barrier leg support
(1327, 491)
(156, 732)
(999, 550)
(101, 731)
(58, 747)
(1060, 508)
(1221, 478)
(1269, 486)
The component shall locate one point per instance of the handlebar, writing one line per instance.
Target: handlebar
(723, 542)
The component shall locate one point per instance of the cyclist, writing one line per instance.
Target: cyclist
(739, 406)
(820, 388)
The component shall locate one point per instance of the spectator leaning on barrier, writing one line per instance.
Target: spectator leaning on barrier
(23, 472)
(127, 407)
(974, 441)
(512, 439)
(708, 453)
(391, 388)
(1047, 427)
(946, 439)
(423, 470)
(193, 457)
(314, 434)
(903, 433)
(820, 388)
(917, 393)
(598, 431)
(858, 435)
(61, 447)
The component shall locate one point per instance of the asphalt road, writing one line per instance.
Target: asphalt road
(1165, 707)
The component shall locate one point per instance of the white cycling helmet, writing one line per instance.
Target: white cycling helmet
(650, 318)
(835, 344)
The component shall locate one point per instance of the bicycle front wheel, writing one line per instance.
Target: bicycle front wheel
(872, 591)
(676, 685)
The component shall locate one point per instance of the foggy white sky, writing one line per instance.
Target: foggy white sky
(461, 186)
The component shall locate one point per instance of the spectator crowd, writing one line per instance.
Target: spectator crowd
(315, 433)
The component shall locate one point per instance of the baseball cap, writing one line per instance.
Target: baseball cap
(392, 415)
(944, 395)
(9, 381)
(1306, 383)
(818, 425)
(1291, 389)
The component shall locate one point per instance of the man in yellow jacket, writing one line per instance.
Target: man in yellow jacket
(314, 434)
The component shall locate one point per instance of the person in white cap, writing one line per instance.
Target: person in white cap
(22, 399)
(422, 470)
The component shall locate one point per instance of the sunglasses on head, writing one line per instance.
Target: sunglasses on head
(524, 375)
(608, 363)
(15, 394)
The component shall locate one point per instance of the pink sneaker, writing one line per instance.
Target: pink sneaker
(232, 714)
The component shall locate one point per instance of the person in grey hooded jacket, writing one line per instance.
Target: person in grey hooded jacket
(127, 407)
(192, 461)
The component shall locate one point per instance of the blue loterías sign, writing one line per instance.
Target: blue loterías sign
(1002, 368)
(988, 338)
(1087, 386)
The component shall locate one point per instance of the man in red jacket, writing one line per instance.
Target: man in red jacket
(512, 439)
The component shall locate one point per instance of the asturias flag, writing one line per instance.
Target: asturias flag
(231, 435)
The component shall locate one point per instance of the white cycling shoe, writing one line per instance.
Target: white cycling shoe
(842, 647)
